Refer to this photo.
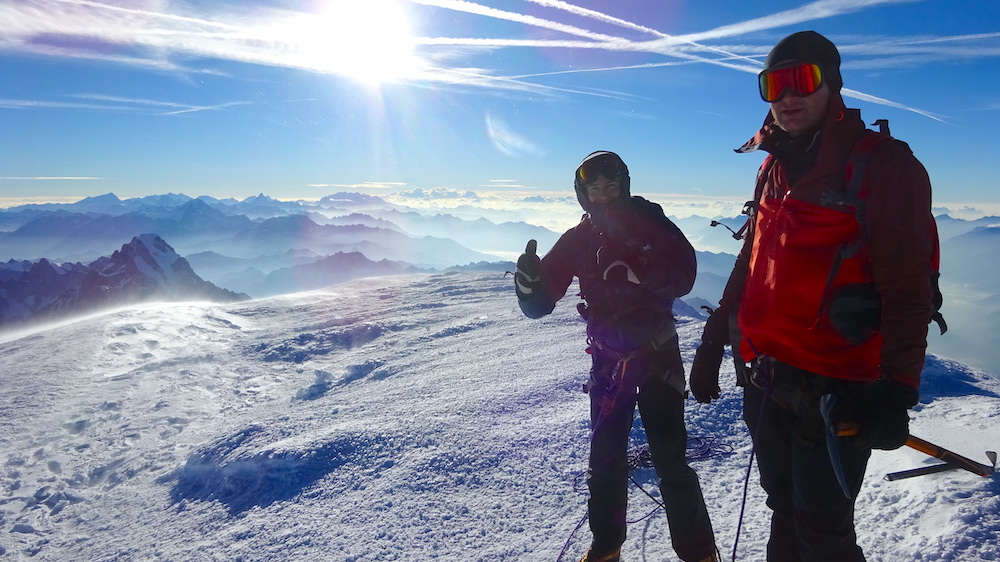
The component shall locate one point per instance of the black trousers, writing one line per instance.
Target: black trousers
(615, 389)
(811, 520)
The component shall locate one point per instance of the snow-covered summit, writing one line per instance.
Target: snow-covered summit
(416, 417)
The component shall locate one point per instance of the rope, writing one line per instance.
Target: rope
(698, 448)
(764, 383)
(570, 537)
(743, 503)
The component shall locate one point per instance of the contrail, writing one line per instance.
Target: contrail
(815, 10)
(881, 101)
(810, 12)
(472, 8)
(597, 16)
(187, 19)
(260, 40)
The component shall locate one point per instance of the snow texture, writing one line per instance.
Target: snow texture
(417, 417)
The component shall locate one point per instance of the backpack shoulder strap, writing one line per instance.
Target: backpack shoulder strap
(857, 166)
(750, 207)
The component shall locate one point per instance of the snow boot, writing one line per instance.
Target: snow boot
(611, 557)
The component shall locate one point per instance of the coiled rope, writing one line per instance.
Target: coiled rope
(639, 456)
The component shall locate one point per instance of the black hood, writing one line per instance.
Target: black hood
(605, 160)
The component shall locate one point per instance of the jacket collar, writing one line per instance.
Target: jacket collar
(840, 125)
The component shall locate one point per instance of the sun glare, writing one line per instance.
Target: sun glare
(368, 40)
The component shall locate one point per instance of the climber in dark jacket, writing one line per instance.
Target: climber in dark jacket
(632, 262)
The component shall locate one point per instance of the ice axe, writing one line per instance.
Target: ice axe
(951, 459)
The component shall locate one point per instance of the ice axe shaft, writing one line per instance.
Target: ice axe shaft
(928, 448)
(826, 406)
(920, 471)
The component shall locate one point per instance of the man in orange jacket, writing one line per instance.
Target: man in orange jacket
(831, 296)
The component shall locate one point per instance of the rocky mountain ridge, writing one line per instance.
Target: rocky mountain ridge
(147, 269)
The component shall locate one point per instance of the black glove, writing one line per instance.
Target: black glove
(884, 419)
(708, 358)
(528, 275)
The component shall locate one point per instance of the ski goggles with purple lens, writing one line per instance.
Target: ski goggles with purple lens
(801, 78)
(607, 165)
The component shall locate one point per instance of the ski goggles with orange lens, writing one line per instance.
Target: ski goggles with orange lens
(802, 79)
(606, 165)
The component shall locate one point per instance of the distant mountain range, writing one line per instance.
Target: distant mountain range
(238, 244)
(261, 246)
(145, 269)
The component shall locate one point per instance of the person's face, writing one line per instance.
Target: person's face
(603, 191)
(796, 114)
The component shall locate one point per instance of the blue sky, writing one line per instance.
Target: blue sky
(302, 98)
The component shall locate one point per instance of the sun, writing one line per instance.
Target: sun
(368, 40)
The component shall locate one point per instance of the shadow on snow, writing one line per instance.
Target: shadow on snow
(225, 473)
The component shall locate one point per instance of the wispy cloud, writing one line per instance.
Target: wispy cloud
(171, 37)
(509, 142)
(96, 102)
(51, 178)
(8, 202)
(6, 103)
(364, 185)
(173, 108)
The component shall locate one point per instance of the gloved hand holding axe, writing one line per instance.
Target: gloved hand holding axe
(888, 437)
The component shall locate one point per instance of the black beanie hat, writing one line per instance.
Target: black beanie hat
(808, 46)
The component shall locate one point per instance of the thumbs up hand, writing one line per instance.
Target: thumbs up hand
(528, 276)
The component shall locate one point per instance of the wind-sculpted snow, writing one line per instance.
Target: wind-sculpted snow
(419, 417)
(945, 378)
(246, 470)
(310, 344)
